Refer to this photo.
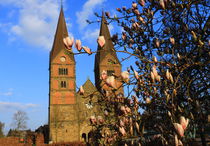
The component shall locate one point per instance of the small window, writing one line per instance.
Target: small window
(110, 72)
(110, 61)
(63, 71)
(63, 84)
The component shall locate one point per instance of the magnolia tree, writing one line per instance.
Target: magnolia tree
(168, 82)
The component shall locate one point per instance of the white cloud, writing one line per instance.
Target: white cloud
(36, 21)
(16, 105)
(92, 35)
(87, 10)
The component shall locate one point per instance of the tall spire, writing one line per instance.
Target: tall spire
(61, 32)
(104, 31)
(106, 58)
(108, 47)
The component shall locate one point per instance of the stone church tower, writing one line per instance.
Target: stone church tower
(69, 112)
(62, 95)
(106, 59)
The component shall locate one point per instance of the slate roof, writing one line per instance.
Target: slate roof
(89, 87)
(108, 48)
(61, 32)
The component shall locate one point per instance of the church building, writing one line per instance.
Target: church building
(69, 112)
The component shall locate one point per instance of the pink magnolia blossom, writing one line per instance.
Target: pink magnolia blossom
(136, 11)
(152, 76)
(158, 78)
(174, 92)
(136, 74)
(157, 43)
(141, 19)
(131, 129)
(126, 120)
(162, 4)
(93, 120)
(122, 131)
(122, 124)
(179, 129)
(130, 121)
(172, 40)
(110, 81)
(103, 75)
(124, 35)
(142, 3)
(194, 35)
(167, 74)
(78, 45)
(127, 109)
(200, 43)
(169, 113)
(154, 70)
(106, 113)
(81, 90)
(180, 143)
(134, 5)
(184, 122)
(125, 76)
(176, 140)
(171, 78)
(135, 25)
(155, 90)
(148, 100)
(68, 42)
(122, 108)
(101, 41)
(137, 127)
(154, 59)
(87, 50)
(100, 120)
(178, 56)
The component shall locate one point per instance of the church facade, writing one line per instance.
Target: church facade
(69, 112)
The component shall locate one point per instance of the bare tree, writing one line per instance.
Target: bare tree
(20, 120)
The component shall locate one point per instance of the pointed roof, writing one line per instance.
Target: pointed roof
(108, 48)
(89, 87)
(61, 32)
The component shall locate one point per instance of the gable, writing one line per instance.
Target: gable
(63, 57)
(109, 59)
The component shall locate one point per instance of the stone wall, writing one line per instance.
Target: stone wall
(39, 141)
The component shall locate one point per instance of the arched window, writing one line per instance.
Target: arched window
(84, 136)
(63, 84)
(63, 71)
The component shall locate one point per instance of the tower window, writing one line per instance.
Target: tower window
(110, 61)
(63, 71)
(110, 72)
(63, 84)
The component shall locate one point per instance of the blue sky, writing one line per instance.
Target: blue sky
(27, 28)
